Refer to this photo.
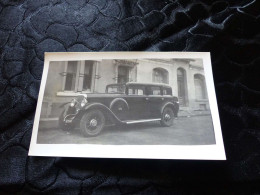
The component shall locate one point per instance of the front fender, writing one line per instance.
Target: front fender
(103, 108)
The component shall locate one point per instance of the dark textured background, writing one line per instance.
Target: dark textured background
(228, 29)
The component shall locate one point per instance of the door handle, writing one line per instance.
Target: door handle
(162, 98)
(147, 98)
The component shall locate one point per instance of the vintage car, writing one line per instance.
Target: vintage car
(121, 104)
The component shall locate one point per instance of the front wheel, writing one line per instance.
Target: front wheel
(92, 123)
(167, 117)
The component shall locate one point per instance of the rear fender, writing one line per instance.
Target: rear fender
(118, 100)
(168, 104)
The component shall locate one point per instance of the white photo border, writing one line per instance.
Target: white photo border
(195, 152)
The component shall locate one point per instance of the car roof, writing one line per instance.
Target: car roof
(113, 84)
(150, 84)
(139, 83)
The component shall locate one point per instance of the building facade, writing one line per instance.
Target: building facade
(67, 78)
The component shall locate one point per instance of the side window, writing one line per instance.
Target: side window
(112, 89)
(135, 90)
(153, 90)
(167, 91)
(140, 92)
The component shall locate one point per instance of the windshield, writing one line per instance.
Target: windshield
(116, 89)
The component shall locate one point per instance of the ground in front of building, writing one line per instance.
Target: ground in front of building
(196, 130)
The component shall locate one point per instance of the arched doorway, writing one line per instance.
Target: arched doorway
(160, 75)
(200, 87)
(182, 87)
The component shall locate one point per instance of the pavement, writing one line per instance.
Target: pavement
(191, 113)
(196, 130)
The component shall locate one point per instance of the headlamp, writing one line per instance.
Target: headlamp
(73, 102)
(83, 103)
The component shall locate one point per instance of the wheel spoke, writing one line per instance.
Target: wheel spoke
(94, 122)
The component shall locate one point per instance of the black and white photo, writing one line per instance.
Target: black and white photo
(127, 105)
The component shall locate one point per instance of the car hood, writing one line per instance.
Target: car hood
(97, 95)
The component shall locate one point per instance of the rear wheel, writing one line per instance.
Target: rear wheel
(167, 117)
(92, 123)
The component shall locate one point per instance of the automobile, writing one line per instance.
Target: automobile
(120, 104)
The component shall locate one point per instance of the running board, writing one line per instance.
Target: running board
(141, 121)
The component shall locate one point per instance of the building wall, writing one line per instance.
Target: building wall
(54, 84)
(105, 72)
(191, 70)
(54, 79)
(144, 74)
(145, 68)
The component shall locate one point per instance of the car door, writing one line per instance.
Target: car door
(154, 101)
(136, 99)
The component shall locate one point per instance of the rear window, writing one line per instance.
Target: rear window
(167, 91)
(153, 90)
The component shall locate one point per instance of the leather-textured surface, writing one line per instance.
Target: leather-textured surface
(228, 29)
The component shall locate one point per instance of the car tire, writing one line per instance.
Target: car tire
(167, 117)
(63, 125)
(92, 123)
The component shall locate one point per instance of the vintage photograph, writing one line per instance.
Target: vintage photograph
(125, 101)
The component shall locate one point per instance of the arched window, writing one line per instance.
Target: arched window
(160, 75)
(200, 87)
(182, 86)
